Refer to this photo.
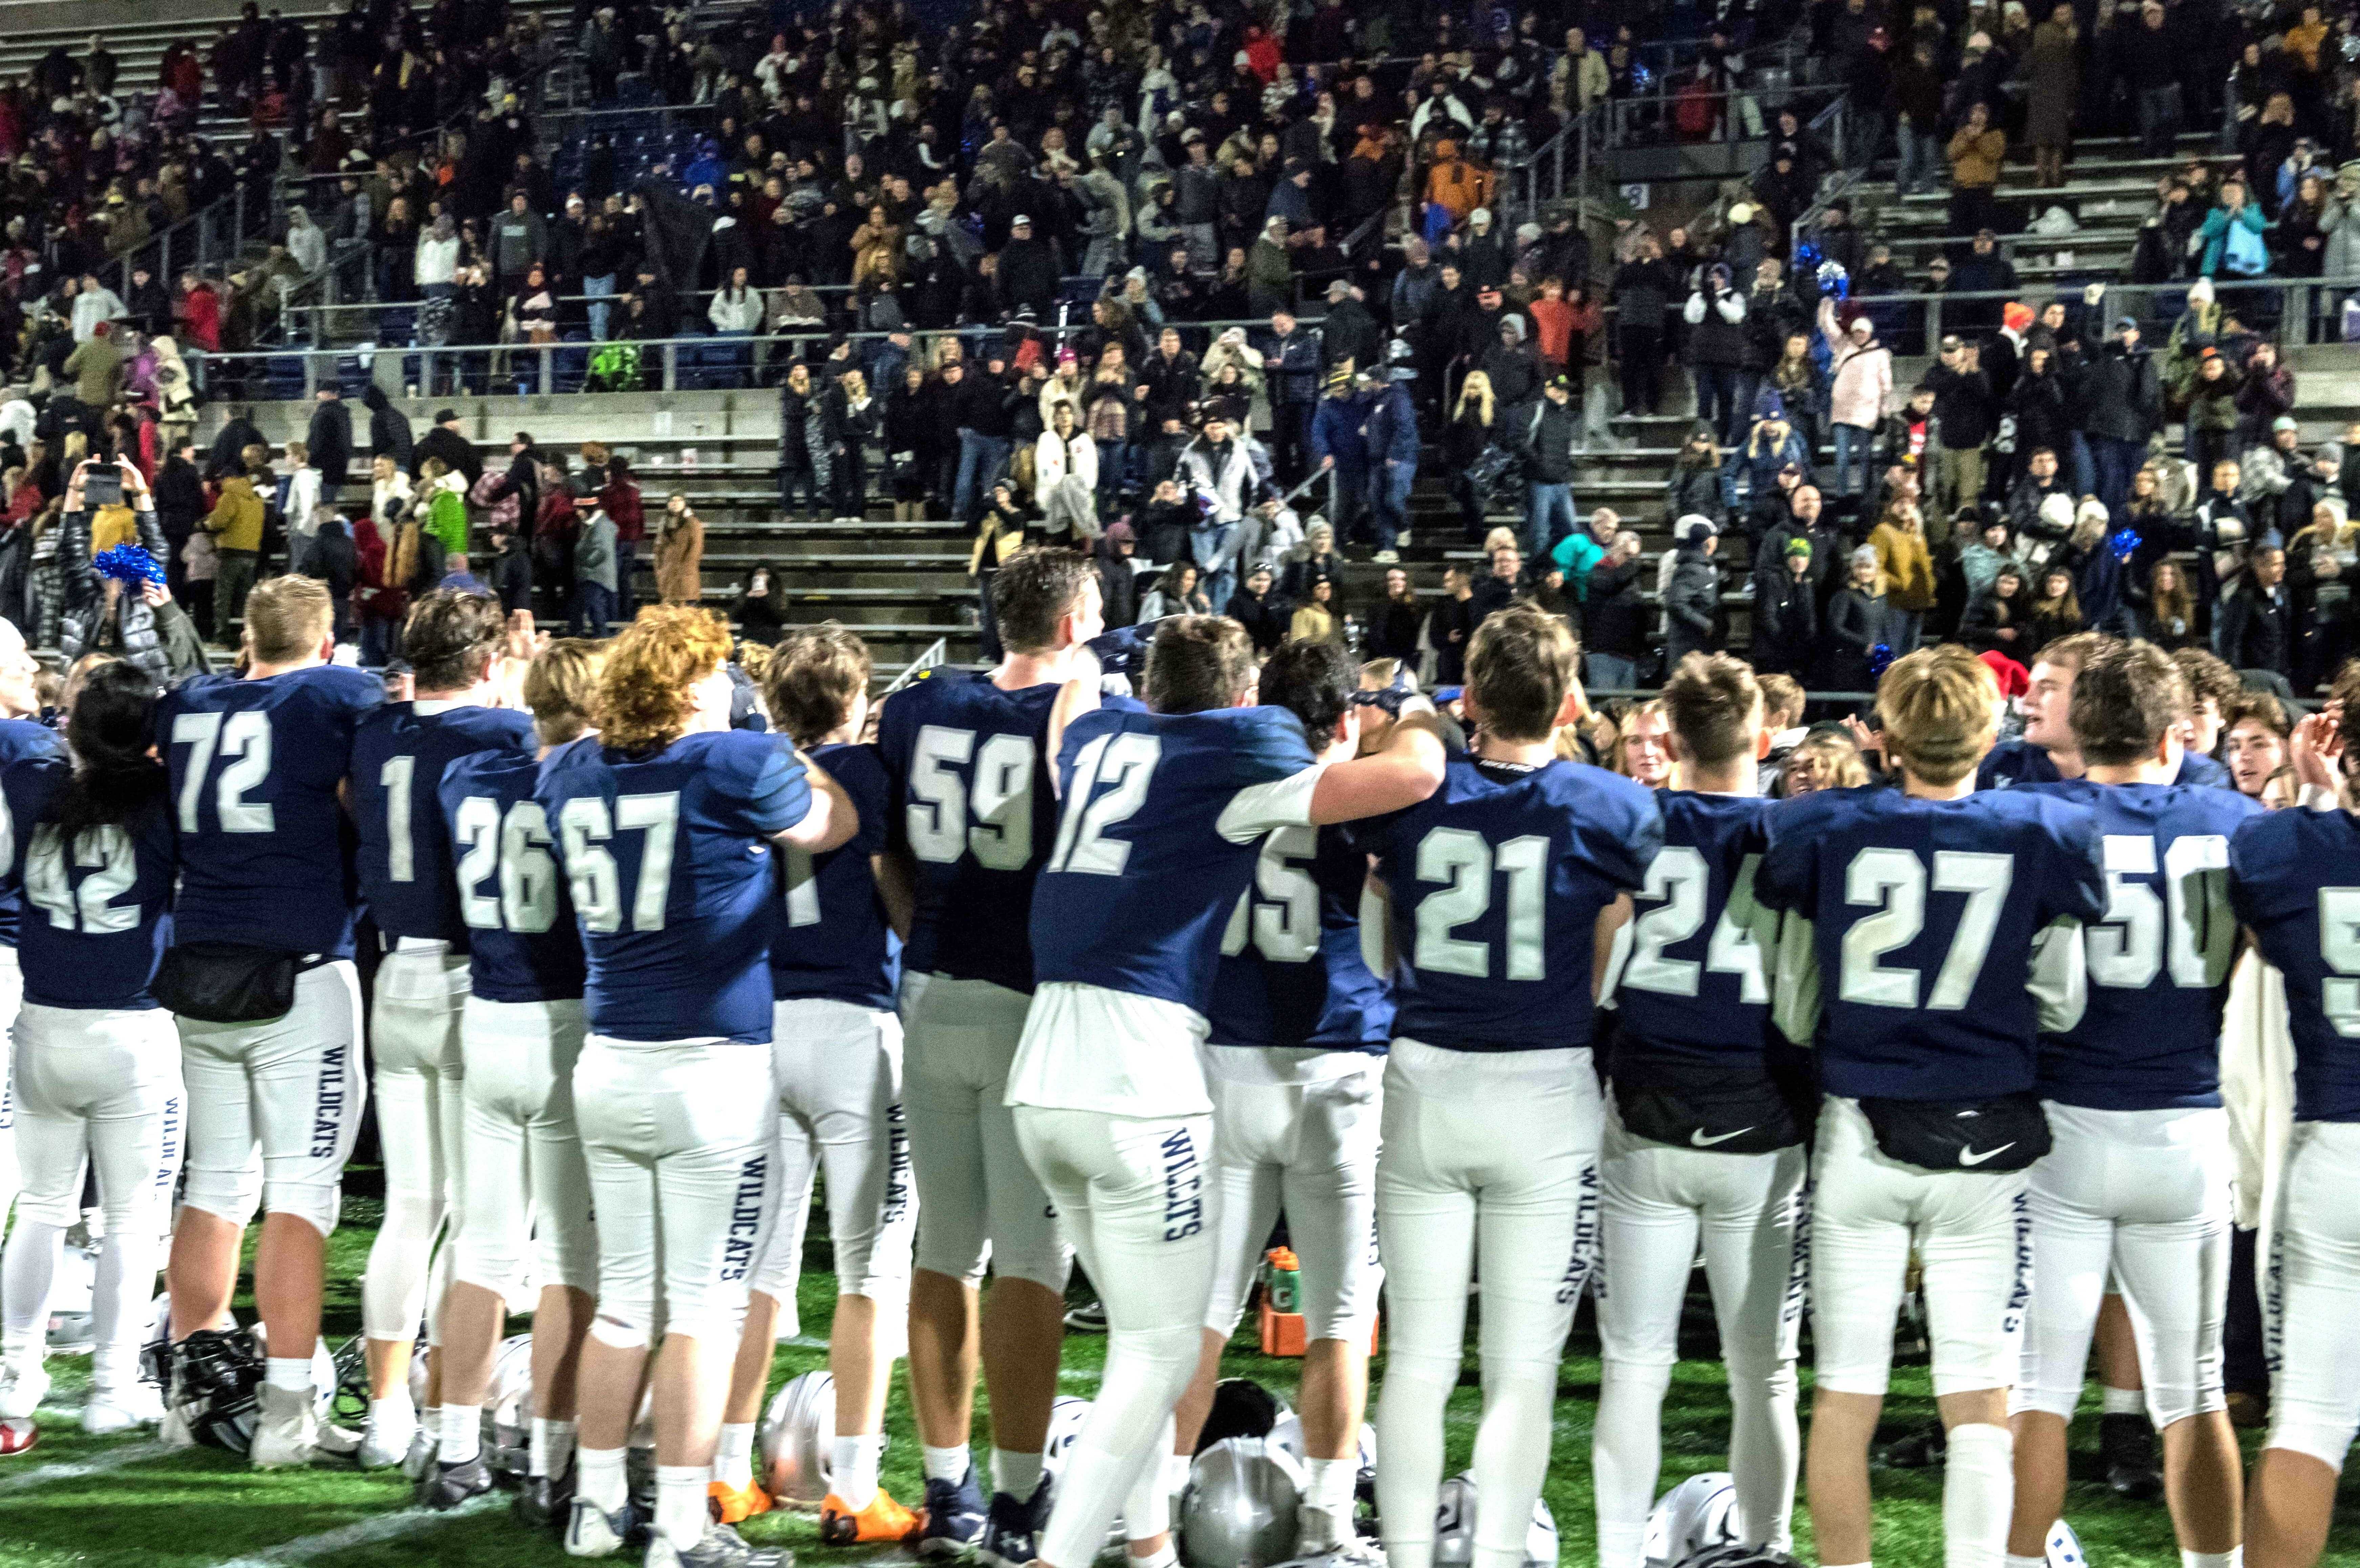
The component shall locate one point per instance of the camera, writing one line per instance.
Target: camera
(101, 485)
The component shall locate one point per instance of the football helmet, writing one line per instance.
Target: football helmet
(507, 1409)
(796, 1432)
(211, 1377)
(1241, 1408)
(1237, 1509)
(1734, 1556)
(1454, 1527)
(71, 1329)
(1066, 1419)
(1693, 1517)
(2065, 1547)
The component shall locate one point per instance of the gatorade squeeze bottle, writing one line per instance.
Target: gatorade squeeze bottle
(1286, 1280)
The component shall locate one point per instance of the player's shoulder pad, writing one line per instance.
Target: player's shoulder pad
(342, 686)
(23, 738)
(855, 765)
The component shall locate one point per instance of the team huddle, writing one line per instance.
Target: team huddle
(1118, 953)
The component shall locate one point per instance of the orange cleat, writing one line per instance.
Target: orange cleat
(734, 1505)
(882, 1519)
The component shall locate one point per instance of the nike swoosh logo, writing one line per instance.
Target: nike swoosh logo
(1698, 1137)
(1977, 1156)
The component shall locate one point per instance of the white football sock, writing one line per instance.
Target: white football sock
(431, 1421)
(1015, 1474)
(852, 1468)
(552, 1448)
(681, 1512)
(2233, 1558)
(1325, 1517)
(290, 1374)
(733, 1460)
(394, 1415)
(601, 1477)
(1978, 1495)
(2015, 1562)
(462, 1429)
(1164, 1556)
(2122, 1401)
(947, 1464)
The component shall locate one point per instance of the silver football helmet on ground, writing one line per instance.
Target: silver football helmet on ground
(1693, 1517)
(1237, 1509)
(71, 1329)
(1454, 1527)
(796, 1432)
(1067, 1416)
(2065, 1547)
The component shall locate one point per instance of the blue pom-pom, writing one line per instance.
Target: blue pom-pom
(1880, 659)
(128, 564)
(1834, 281)
(2124, 543)
(1641, 78)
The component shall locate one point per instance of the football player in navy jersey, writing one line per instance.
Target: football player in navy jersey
(1913, 919)
(665, 821)
(98, 1064)
(271, 1059)
(1162, 816)
(2294, 881)
(1293, 1060)
(2049, 750)
(969, 816)
(524, 1184)
(2138, 1181)
(835, 1046)
(1702, 1144)
(399, 755)
(1505, 890)
(20, 737)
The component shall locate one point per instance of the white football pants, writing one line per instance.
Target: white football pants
(291, 1087)
(1489, 1170)
(2146, 1193)
(2314, 1295)
(12, 996)
(1132, 1193)
(1659, 1202)
(681, 1138)
(1971, 1233)
(101, 1088)
(1310, 1149)
(839, 1074)
(525, 1182)
(979, 1198)
(421, 1119)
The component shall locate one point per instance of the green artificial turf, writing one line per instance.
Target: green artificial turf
(204, 1510)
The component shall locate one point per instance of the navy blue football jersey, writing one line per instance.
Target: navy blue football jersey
(1291, 970)
(265, 852)
(667, 854)
(399, 755)
(1164, 817)
(1497, 881)
(1911, 964)
(2157, 966)
(19, 738)
(2294, 881)
(523, 943)
(2015, 762)
(970, 801)
(833, 939)
(1694, 984)
(97, 919)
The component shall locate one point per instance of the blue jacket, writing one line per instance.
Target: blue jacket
(1391, 428)
(1335, 432)
(1291, 366)
(1759, 470)
(2216, 233)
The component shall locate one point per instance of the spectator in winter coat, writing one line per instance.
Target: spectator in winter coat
(1715, 315)
(1118, 583)
(1772, 447)
(388, 428)
(2264, 393)
(1692, 600)
(1617, 639)
(2270, 483)
(1998, 617)
(1859, 382)
(1341, 451)
(1785, 610)
(1263, 614)
(2030, 494)
(1392, 430)
(1029, 270)
(2121, 397)
(2257, 627)
(330, 440)
(1859, 621)
(1906, 568)
(1548, 440)
(1964, 420)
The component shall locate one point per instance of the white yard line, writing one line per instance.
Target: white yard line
(78, 1469)
(361, 1532)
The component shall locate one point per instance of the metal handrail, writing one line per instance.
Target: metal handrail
(936, 654)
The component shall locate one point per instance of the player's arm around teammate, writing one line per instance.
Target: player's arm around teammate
(1500, 884)
(1702, 1145)
(1913, 919)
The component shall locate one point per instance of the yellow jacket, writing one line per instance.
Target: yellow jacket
(235, 521)
(1906, 564)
